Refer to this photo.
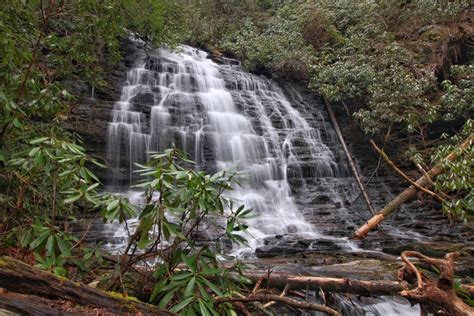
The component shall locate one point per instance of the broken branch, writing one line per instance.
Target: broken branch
(408, 193)
(284, 300)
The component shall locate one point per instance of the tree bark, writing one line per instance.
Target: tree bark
(408, 193)
(33, 305)
(16, 276)
(332, 117)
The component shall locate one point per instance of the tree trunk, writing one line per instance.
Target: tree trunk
(408, 193)
(16, 276)
(332, 117)
(33, 305)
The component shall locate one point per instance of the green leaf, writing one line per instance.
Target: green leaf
(3, 156)
(181, 276)
(203, 308)
(65, 251)
(34, 151)
(72, 199)
(188, 291)
(157, 289)
(38, 140)
(92, 187)
(50, 245)
(182, 305)
(60, 271)
(113, 205)
(41, 238)
(166, 299)
(212, 286)
(191, 261)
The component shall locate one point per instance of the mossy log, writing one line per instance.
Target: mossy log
(18, 277)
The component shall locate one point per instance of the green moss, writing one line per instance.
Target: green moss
(123, 297)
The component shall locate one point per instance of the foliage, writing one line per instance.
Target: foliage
(458, 177)
(45, 174)
(275, 46)
(183, 206)
(387, 60)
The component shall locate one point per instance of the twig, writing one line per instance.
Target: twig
(283, 293)
(257, 285)
(277, 298)
(85, 233)
(404, 176)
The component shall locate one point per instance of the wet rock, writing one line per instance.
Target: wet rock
(324, 245)
(368, 269)
(428, 249)
(285, 245)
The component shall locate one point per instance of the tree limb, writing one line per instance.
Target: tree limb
(408, 193)
(284, 300)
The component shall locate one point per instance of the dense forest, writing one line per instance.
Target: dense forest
(398, 72)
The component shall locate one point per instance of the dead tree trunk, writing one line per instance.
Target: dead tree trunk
(332, 117)
(409, 192)
(16, 276)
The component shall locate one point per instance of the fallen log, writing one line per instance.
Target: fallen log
(332, 117)
(33, 305)
(334, 285)
(343, 285)
(16, 276)
(408, 193)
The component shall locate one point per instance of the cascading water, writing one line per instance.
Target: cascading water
(226, 119)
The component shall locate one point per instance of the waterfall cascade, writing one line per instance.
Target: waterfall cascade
(225, 119)
(293, 170)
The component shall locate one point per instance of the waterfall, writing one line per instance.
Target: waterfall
(225, 119)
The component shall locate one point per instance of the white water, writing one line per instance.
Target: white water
(190, 106)
(225, 119)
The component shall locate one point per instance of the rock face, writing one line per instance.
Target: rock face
(325, 194)
(91, 113)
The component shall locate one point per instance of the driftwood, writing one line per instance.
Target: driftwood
(437, 294)
(332, 117)
(16, 276)
(407, 194)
